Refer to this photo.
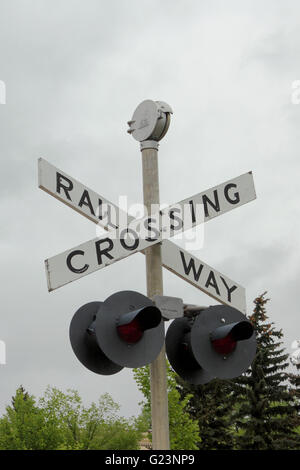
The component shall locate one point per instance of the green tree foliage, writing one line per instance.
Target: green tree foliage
(184, 431)
(266, 410)
(24, 427)
(61, 421)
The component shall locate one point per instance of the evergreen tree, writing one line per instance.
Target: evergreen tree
(210, 407)
(265, 412)
(294, 380)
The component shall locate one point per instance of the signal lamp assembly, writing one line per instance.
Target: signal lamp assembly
(218, 343)
(124, 331)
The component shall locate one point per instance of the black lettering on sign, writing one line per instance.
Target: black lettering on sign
(236, 199)
(100, 207)
(69, 264)
(229, 290)
(135, 241)
(215, 205)
(211, 281)
(104, 251)
(59, 185)
(86, 201)
(154, 230)
(191, 267)
(191, 203)
(175, 218)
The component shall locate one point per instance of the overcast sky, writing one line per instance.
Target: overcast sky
(74, 72)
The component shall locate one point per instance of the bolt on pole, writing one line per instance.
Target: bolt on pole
(148, 125)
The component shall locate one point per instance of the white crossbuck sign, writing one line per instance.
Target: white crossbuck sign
(128, 235)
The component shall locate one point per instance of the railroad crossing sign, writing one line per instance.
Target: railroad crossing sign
(125, 233)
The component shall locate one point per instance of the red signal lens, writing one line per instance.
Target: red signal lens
(224, 345)
(131, 332)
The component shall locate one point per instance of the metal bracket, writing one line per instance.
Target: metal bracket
(149, 144)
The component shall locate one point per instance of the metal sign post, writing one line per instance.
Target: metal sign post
(146, 124)
(158, 373)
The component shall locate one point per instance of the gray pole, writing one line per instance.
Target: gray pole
(158, 372)
(149, 124)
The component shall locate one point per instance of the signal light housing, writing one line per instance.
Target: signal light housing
(220, 341)
(124, 331)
